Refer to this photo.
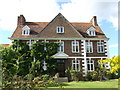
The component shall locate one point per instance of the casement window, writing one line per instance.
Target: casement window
(60, 29)
(75, 47)
(61, 47)
(76, 65)
(91, 31)
(25, 30)
(30, 42)
(100, 47)
(106, 65)
(45, 48)
(90, 65)
(89, 47)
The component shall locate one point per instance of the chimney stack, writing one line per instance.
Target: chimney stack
(21, 20)
(94, 21)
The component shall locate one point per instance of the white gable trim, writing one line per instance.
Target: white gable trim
(60, 55)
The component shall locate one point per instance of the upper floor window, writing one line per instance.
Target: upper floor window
(90, 65)
(60, 29)
(91, 31)
(61, 47)
(76, 65)
(100, 47)
(25, 30)
(75, 46)
(89, 47)
(45, 47)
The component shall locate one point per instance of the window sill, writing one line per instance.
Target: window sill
(89, 52)
(100, 52)
(75, 52)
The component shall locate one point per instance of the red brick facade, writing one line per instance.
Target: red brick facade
(73, 31)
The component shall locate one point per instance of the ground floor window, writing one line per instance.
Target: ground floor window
(90, 65)
(76, 65)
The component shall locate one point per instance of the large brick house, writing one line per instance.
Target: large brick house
(82, 44)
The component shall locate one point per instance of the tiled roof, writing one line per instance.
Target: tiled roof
(5, 45)
(45, 29)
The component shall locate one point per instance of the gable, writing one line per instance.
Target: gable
(91, 29)
(59, 20)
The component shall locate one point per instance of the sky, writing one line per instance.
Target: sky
(74, 10)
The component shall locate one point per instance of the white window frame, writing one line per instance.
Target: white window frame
(77, 62)
(91, 64)
(30, 42)
(89, 45)
(25, 30)
(91, 31)
(60, 29)
(60, 47)
(75, 45)
(101, 45)
(107, 65)
(45, 48)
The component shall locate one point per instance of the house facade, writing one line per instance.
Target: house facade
(81, 44)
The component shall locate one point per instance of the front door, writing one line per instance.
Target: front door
(61, 67)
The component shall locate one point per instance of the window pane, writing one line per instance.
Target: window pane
(77, 67)
(73, 66)
(91, 66)
(99, 50)
(73, 61)
(73, 48)
(102, 49)
(76, 48)
(61, 48)
(88, 66)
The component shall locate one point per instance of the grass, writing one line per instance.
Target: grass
(92, 84)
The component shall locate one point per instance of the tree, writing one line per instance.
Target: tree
(114, 63)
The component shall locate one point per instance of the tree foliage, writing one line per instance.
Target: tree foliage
(21, 60)
(114, 63)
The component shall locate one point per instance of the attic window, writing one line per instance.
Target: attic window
(91, 31)
(25, 30)
(60, 29)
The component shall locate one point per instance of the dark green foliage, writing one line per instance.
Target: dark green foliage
(112, 75)
(76, 75)
(18, 60)
(41, 54)
(92, 76)
(45, 77)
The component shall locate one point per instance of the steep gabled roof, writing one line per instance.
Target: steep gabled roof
(48, 29)
(59, 20)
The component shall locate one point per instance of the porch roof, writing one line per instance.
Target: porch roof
(60, 55)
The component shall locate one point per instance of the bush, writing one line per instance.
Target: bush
(45, 77)
(92, 76)
(49, 83)
(76, 75)
(112, 76)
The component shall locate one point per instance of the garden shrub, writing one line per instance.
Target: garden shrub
(76, 75)
(92, 76)
(45, 77)
(112, 75)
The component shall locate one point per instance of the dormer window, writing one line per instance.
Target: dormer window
(91, 31)
(25, 30)
(60, 29)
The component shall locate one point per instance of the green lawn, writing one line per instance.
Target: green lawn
(92, 84)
